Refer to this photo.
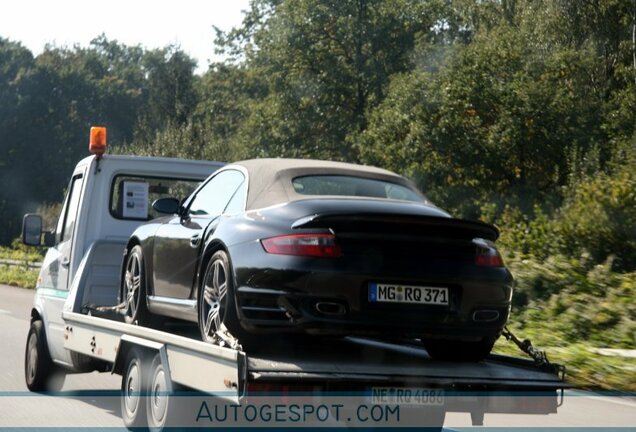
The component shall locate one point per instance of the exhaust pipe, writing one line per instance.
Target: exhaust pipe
(330, 308)
(485, 315)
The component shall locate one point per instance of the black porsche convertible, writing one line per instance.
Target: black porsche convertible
(272, 246)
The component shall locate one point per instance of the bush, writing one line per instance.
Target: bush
(559, 301)
(599, 219)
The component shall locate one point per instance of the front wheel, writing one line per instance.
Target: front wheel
(459, 350)
(134, 288)
(39, 371)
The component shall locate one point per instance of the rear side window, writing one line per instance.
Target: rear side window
(353, 186)
(131, 197)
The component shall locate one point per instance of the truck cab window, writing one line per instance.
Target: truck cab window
(131, 196)
(66, 223)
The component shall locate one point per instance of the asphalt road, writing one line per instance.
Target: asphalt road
(78, 405)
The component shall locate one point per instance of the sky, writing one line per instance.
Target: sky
(153, 24)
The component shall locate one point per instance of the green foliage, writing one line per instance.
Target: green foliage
(597, 221)
(599, 218)
(49, 103)
(18, 276)
(586, 368)
(325, 63)
(498, 101)
(566, 300)
(20, 252)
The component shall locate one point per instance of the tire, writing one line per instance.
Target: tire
(217, 302)
(166, 405)
(159, 396)
(134, 288)
(134, 390)
(459, 350)
(40, 373)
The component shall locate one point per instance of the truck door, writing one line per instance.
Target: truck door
(53, 289)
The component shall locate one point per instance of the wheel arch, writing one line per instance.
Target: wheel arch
(36, 314)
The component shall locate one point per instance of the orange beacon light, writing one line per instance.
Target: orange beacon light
(97, 144)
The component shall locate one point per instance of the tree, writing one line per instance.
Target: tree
(169, 90)
(325, 64)
(496, 123)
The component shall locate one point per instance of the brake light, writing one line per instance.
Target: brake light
(313, 245)
(489, 260)
(486, 254)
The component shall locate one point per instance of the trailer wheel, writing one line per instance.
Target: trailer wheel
(134, 390)
(39, 371)
(134, 288)
(160, 398)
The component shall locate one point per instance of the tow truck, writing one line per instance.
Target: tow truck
(77, 326)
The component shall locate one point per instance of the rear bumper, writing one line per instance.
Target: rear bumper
(325, 296)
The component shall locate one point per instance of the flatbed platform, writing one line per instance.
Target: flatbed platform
(370, 361)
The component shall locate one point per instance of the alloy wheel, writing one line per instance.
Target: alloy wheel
(214, 297)
(132, 280)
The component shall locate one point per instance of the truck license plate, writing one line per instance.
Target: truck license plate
(392, 293)
(407, 396)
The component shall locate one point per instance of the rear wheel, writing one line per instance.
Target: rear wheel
(217, 304)
(459, 350)
(159, 399)
(166, 404)
(134, 288)
(39, 371)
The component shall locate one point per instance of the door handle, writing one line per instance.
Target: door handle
(194, 240)
(65, 262)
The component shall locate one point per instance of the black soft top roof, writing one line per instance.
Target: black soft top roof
(270, 180)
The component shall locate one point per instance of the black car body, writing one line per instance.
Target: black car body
(283, 245)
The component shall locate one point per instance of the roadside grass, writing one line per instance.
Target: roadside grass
(584, 368)
(21, 253)
(18, 276)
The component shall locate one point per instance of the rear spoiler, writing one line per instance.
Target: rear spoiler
(400, 224)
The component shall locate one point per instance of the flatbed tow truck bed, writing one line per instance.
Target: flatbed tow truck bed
(356, 360)
(370, 361)
(348, 366)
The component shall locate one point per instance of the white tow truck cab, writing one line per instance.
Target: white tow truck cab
(107, 198)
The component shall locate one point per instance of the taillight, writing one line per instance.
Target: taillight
(313, 245)
(486, 254)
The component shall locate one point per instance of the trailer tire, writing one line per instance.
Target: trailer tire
(40, 372)
(162, 403)
(133, 288)
(134, 390)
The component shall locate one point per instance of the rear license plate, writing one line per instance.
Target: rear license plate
(390, 293)
(407, 396)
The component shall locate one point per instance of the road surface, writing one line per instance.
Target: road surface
(82, 404)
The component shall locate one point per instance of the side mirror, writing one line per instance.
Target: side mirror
(32, 229)
(167, 205)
